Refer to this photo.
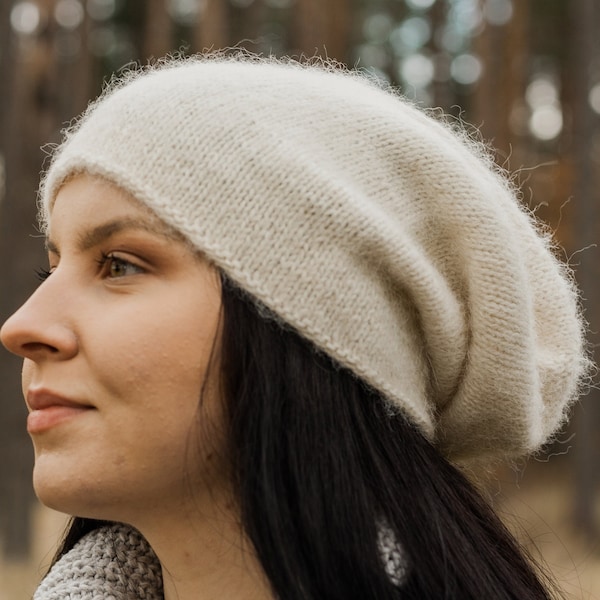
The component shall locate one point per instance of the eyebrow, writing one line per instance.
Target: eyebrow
(92, 237)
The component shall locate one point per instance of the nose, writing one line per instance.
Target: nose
(39, 330)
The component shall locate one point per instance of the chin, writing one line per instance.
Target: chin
(72, 494)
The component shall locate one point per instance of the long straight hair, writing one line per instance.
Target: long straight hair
(340, 498)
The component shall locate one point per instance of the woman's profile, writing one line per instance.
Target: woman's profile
(283, 307)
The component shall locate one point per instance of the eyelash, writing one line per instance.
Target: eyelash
(109, 259)
(104, 263)
(42, 274)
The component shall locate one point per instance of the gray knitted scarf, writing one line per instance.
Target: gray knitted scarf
(114, 563)
(117, 563)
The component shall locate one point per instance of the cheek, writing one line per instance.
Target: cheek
(165, 357)
(146, 369)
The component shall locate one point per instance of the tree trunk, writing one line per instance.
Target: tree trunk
(19, 253)
(581, 36)
(211, 31)
(157, 37)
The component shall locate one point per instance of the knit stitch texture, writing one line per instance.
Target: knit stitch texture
(372, 228)
(110, 563)
(116, 563)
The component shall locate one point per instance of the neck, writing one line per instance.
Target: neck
(204, 554)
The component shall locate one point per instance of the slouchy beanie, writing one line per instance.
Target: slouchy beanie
(377, 231)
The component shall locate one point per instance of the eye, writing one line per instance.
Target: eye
(115, 267)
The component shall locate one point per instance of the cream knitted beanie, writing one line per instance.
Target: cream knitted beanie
(376, 231)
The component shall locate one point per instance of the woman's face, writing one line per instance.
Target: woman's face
(116, 342)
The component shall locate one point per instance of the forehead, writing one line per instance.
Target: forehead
(88, 202)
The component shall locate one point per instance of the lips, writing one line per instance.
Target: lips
(48, 410)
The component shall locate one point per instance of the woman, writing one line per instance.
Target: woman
(282, 306)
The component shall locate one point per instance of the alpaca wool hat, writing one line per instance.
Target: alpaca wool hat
(376, 231)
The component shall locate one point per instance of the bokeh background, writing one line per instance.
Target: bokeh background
(526, 73)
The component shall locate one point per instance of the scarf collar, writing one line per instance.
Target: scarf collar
(112, 562)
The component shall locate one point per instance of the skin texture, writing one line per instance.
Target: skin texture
(127, 324)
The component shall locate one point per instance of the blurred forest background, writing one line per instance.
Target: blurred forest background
(526, 72)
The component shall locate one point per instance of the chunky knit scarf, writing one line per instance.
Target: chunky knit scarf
(110, 563)
(116, 563)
